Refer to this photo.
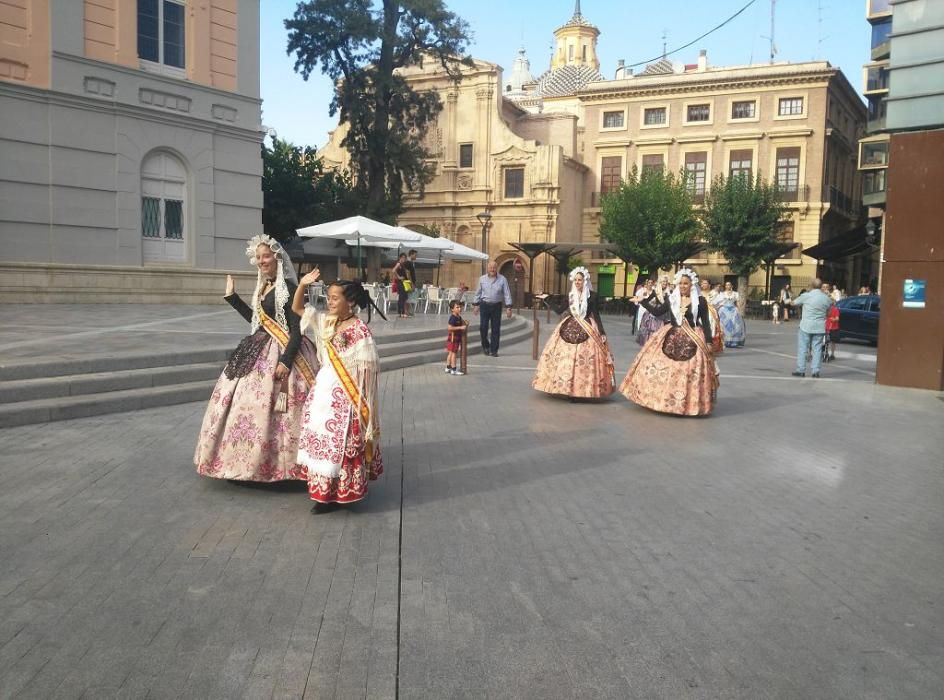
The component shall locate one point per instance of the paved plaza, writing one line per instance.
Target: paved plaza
(517, 546)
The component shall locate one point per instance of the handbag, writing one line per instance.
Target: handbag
(407, 286)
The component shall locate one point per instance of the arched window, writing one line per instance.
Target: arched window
(163, 208)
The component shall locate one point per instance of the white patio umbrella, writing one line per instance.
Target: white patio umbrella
(360, 231)
(464, 252)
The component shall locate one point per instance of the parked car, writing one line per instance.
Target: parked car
(858, 317)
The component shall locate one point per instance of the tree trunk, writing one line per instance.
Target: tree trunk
(742, 293)
(377, 156)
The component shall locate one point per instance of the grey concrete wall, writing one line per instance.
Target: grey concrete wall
(70, 165)
(247, 58)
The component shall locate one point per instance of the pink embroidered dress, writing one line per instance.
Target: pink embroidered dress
(242, 436)
(339, 445)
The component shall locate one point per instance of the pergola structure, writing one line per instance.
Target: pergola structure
(561, 251)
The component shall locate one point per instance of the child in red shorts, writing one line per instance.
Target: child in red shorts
(455, 338)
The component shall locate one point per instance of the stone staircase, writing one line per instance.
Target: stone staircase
(39, 392)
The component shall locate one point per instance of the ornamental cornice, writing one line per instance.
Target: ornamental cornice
(604, 93)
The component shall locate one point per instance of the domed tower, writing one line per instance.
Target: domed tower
(576, 43)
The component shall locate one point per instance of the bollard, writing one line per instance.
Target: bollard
(465, 349)
(535, 337)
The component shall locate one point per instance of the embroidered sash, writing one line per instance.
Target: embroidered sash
(699, 340)
(354, 394)
(281, 337)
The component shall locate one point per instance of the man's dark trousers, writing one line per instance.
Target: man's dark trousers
(490, 314)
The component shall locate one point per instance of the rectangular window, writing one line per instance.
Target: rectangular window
(788, 173)
(611, 175)
(654, 163)
(785, 235)
(788, 106)
(698, 113)
(174, 219)
(150, 217)
(744, 109)
(583, 54)
(613, 120)
(162, 32)
(514, 183)
(653, 116)
(873, 154)
(696, 171)
(465, 155)
(741, 163)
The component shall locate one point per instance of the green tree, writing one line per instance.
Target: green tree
(742, 220)
(362, 48)
(298, 191)
(650, 221)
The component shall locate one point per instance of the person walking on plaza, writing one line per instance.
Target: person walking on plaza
(402, 278)
(491, 294)
(650, 322)
(812, 330)
(251, 425)
(339, 442)
(576, 361)
(717, 333)
(455, 337)
(675, 371)
(786, 296)
(732, 322)
(413, 292)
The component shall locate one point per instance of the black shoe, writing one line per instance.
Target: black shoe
(486, 351)
(322, 508)
(493, 354)
(799, 374)
(815, 375)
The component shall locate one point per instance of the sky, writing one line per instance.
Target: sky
(832, 30)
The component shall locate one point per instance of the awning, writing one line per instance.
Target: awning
(845, 245)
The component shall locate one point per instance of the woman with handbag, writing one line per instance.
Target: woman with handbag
(401, 277)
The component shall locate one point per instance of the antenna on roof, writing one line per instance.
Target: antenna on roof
(773, 42)
(665, 34)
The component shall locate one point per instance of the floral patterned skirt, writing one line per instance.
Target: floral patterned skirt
(332, 451)
(649, 325)
(242, 437)
(732, 324)
(578, 370)
(685, 386)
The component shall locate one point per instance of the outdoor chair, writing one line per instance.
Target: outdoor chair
(467, 298)
(434, 296)
(451, 294)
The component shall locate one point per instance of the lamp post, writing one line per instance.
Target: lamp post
(485, 218)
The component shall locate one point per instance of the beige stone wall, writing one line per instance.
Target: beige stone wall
(211, 38)
(49, 283)
(24, 42)
(111, 31)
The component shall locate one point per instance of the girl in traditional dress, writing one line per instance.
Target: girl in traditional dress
(732, 323)
(717, 335)
(675, 370)
(576, 361)
(651, 322)
(339, 446)
(251, 425)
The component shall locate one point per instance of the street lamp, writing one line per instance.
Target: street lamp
(870, 232)
(485, 218)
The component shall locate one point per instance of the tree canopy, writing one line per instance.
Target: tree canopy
(362, 48)
(650, 220)
(742, 219)
(298, 191)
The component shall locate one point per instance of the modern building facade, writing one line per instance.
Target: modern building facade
(911, 330)
(130, 166)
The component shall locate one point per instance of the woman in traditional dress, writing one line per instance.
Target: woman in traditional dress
(732, 323)
(675, 370)
(576, 360)
(717, 334)
(251, 425)
(339, 446)
(651, 322)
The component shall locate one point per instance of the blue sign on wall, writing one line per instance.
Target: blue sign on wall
(914, 291)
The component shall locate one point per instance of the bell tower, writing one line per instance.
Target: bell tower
(576, 43)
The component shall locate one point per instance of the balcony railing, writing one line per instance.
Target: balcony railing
(798, 193)
(841, 201)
